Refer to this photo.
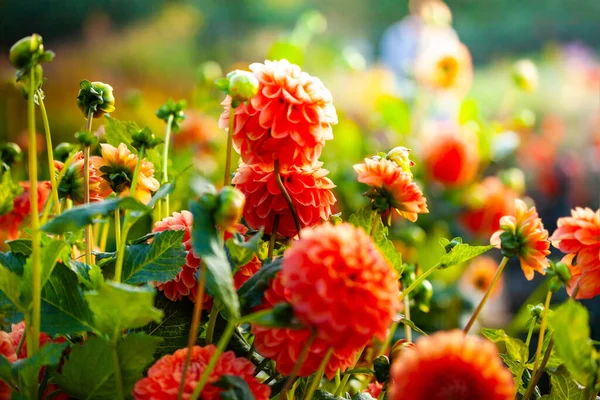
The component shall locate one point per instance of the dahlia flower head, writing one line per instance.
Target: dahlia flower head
(450, 365)
(579, 237)
(165, 375)
(284, 345)
(392, 187)
(71, 185)
(117, 166)
(185, 283)
(308, 187)
(523, 235)
(336, 268)
(11, 221)
(289, 119)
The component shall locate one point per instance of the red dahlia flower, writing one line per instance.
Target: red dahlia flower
(288, 120)
(336, 268)
(165, 375)
(309, 188)
(11, 221)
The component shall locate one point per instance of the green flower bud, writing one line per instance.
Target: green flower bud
(209, 201)
(554, 284)
(525, 75)
(563, 272)
(453, 243)
(229, 208)
(381, 365)
(86, 139)
(96, 97)
(10, 153)
(26, 51)
(510, 243)
(536, 311)
(243, 86)
(399, 155)
(145, 138)
(37, 73)
(423, 296)
(513, 178)
(336, 219)
(63, 151)
(175, 109)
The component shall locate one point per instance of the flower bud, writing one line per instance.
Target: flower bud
(86, 139)
(453, 243)
(510, 243)
(563, 272)
(399, 155)
(10, 153)
(229, 208)
(63, 150)
(423, 296)
(554, 285)
(514, 179)
(536, 311)
(175, 109)
(145, 138)
(26, 51)
(399, 348)
(525, 75)
(96, 97)
(243, 86)
(336, 219)
(381, 365)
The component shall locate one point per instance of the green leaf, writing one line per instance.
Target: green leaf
(408, 322)
(20, 246)
(207, 245)
(118, 306)
(460, 254)
(10, 285)
(252, 291)
(6, 370)
(323, 395)
(564, 387)
(235, 388)
(89, 371)
(516, 368)
(570, 322)
(8, 191)
(28, 369)
(85, 214)
(281, 315)
(514, 347)
(49, 256)
(241, 251)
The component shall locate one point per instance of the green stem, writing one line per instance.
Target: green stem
(86, 188)
(166, 162)
(117, 368)
(301, 358)
(418, 281)
(535, 378)
(61, 175)
(287, 197)
(273, 237)
(487, 294)
(33, 342)
(193, 335)
(212, 320)
(261, 366)
(538, 351)
(520, 374)
(339, 388)
(49, 149)
(117, 226)
(318, 375)
(374, 223)
(229, 329)
(227, 177)
(407, 330)
(104, 236)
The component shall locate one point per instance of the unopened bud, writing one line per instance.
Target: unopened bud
(229, 208)
(63, 151)
(399, 155)
(563, 272)
(536, 311)
(525, 75)
(174, 110)
(144, 138)
(423, 296)
(243, 86)
(26, 51)
(10, 153)
(96, 97)
(336, 219)
(381, 366)
(86, 139)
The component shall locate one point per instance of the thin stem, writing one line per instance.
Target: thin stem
(520, 374)
(318, 375)
(538, 375)
(261, 366)
(374, 223)
(21, 342)
(273, 237)
(197, 314)
(418, 281)
(104, 236)
(339, 388)
(117, 226)
(287, 197)
(212, 320)
(33, 343)
(166, 161)
(229, 329)
(486, 295)
(538, 351)
(577, 287)
(227, 177)
(86, 188)
(407, 330)
(61, 175)
(49, 149)
(117, 368)
(301, 358)
(390, 336)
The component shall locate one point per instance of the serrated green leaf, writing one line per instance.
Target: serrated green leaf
(461, 253)
(49, 256)
(207, 245)
(89, 371)
(516, 368)
(28, 369)
(252, 291)
(570, 322)
(564, 387)
(118, 306)
(515, 347)
(241, 251)
(20, 246)
(234, 388)
(10, 285)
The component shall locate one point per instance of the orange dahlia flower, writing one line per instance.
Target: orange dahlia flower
(165, 375)
(288, 120)
(17, 332)
(185, 284)
(392, 187)
(451, 156)
(580, 233)
(71, 185)
(478, 276)
(11, 221)
(523, 235)
(285, 345)
(487, 203)
(584, 276)
(336, 268)
(451, 365)
(445, 65)
(117, 166)
(309, 188)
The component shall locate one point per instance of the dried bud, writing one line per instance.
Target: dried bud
(381, 365)
(399, 155)
(96, 97)
(229, 208)
(243, 86)
(525, 75)
(514, 179)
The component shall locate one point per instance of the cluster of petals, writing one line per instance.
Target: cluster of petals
(117, 166)
(579, 237)
(530, 237)
(73, 180)
(308, 187)
(185, 283)
(11, 221)
(394, 185)
(451, 365)
(289, 119)
(451, 155)
(164, 377)
(336, 268)
(284, 345)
